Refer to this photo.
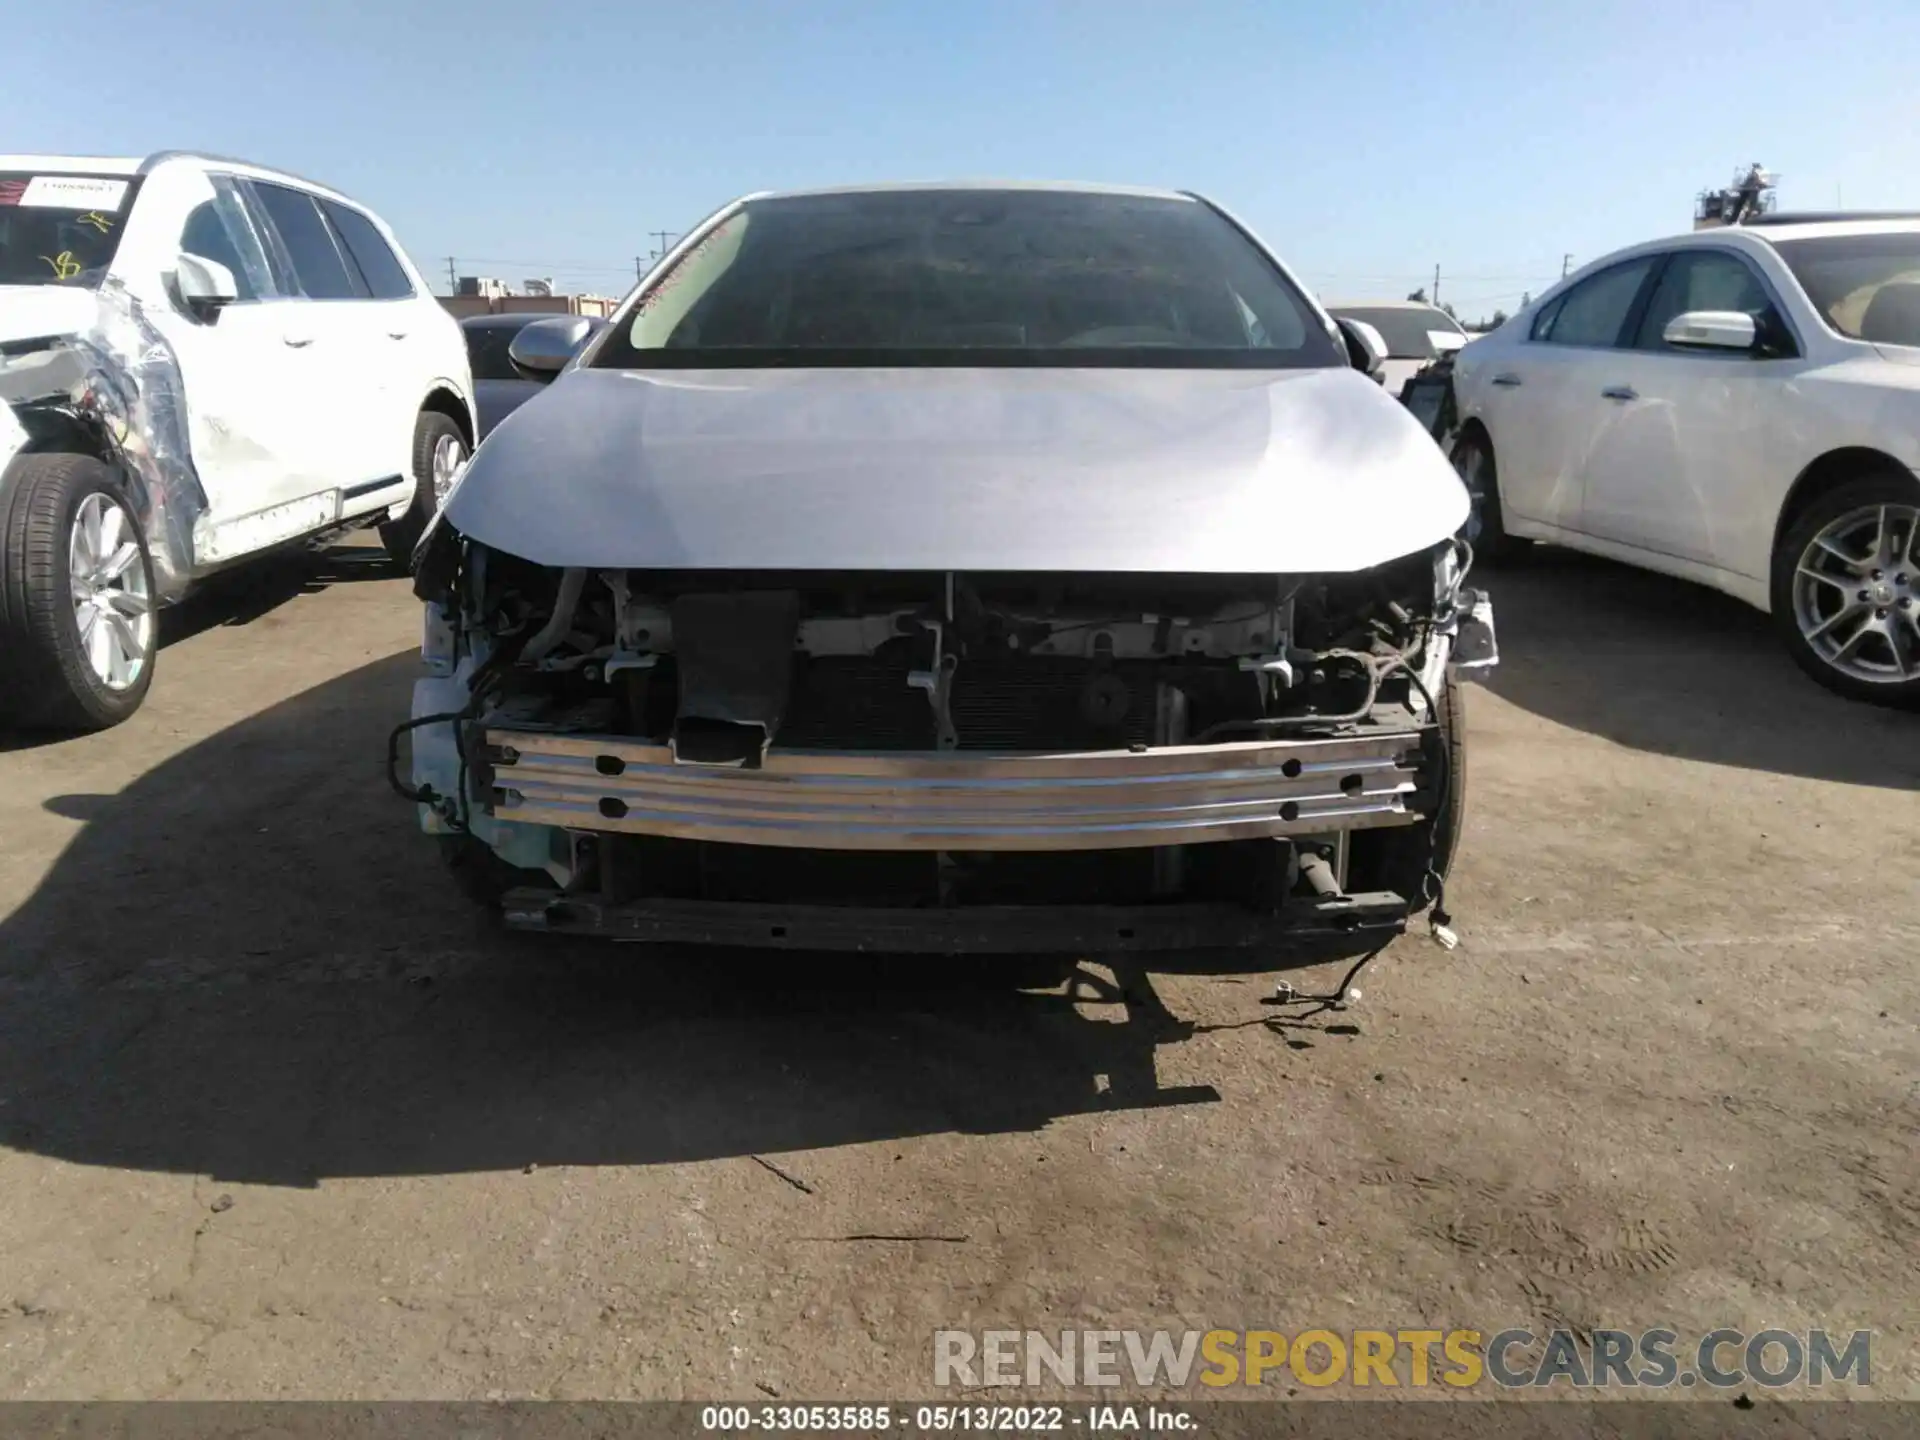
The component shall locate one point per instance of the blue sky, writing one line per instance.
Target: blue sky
(1366, 142)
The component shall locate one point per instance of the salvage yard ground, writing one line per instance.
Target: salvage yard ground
(281, 1117)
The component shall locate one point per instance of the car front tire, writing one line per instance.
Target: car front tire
(1486, 530)
(439, 450)
(1846, 589)
(78, 629)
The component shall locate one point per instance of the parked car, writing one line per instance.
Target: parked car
(946, 569)
(200, 360)
(1737, 406)
(500, 386)
(1416, 334)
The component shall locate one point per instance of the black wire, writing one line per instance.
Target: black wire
(1336, 996)
(1434, 884)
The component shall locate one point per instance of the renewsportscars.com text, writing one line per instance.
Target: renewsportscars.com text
(1415, 1358)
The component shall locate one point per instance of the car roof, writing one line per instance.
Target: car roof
(1066, 187)
(130, 167)
(1412, 307)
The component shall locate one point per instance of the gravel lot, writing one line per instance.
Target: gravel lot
(281, 1117)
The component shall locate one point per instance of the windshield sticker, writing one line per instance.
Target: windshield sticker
(65, 267)
(73, 192)
(672, 281)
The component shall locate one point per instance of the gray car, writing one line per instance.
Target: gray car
(499, 385)
(943, 569)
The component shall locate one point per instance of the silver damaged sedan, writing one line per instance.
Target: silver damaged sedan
(953, 568)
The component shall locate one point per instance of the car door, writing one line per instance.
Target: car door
(244, 370)
(1541, 399)
(349, 384)
(1685, 431)
(403, 354)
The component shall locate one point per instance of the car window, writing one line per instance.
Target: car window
(1594, 311)
(380, 267)
(221, 229)
(318, 267)
(1867, 287)
(1700, 280)
(972, 277)
(61, 229)
(1543, 322)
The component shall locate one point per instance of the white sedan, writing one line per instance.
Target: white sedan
(1738, 407)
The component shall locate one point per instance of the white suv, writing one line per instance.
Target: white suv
(1738, 406)
(200, 360)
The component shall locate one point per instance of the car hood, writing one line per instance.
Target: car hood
(34, 312)
(1221, 471)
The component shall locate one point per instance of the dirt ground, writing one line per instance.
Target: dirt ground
(280, 1117)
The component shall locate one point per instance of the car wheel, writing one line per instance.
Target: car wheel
(439, 453)
(77, 623)
(1485, 529)
(1398, 858)
(1846, 589)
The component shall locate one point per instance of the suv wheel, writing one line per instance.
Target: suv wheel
(77, 624)
(439, 452)
(1846, 589)
(1485, 529)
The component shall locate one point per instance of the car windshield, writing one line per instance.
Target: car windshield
(1865, 286)
(972, 277)
(1408, 332)
(487, 347)
(60, 229)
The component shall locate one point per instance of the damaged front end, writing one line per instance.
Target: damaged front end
(112, 388)
(950, 761)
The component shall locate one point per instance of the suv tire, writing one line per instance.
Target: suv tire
(439, 449)
(78, 632)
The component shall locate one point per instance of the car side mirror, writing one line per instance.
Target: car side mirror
(205, 285)
(1712, 330)
(1366, 347)
(542, 348)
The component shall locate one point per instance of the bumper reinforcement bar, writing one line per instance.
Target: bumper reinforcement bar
(960, 800)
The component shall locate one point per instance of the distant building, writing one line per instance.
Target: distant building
(537, 287)
(502, 303)
(481, 286)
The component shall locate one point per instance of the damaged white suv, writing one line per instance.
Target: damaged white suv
(953, 569)
(200, 360)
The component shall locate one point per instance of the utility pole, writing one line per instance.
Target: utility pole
(1436, 287)
(1565, 261)
(453, 285)
(662, 236)
(639, 267)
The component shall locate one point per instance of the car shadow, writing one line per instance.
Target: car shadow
(247, 592)
(240, 596)
(248, 964)
(1672, 668)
